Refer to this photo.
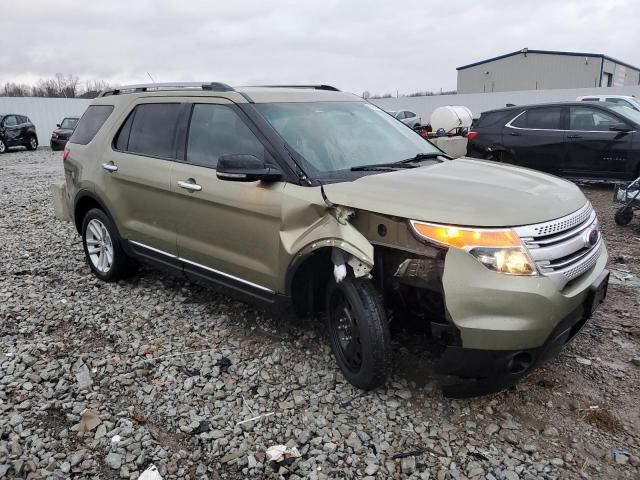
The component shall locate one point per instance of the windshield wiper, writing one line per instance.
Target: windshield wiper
(406, 163)
(422, 156)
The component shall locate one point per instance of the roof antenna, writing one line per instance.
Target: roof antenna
(152, 80)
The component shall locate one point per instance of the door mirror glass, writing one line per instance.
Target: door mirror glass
(58, 125)
(620, 127)
(245, 168)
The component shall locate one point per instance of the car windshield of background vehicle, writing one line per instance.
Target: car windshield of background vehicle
(628, 112)
(335, 136)
(69, 123)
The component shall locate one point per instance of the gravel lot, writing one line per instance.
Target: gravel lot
(171, 369)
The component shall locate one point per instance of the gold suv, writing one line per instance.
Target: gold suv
(309, 197)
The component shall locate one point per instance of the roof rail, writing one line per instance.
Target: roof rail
(156, 87)
(314, 87)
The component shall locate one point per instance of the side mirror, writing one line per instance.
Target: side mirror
(245, 168)
(58, 125)
(620, 127)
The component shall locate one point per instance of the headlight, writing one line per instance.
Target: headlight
(54, 135)
(498, 249)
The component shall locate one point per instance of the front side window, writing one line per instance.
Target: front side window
(409, 114)
(153, 130)
(590, 119)
(10, 121)
(336, 136)
(89, 124)
(217, 130)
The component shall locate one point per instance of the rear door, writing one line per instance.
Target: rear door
(11, 130)
(594, 151)
(228, 232)
(536, 139)
(136, 177)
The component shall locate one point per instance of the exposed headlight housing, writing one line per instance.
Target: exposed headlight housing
(498, 249)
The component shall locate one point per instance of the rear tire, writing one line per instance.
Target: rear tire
(500, 156)
(623, 215)
(32, 143)
(102, 248)
(358, 332)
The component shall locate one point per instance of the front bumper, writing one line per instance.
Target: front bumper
(58, 143)
(509, 325)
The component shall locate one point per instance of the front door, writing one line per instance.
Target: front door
(136, 173)
(227, 232)
(594, 151)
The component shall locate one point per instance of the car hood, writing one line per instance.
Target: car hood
(462, 192)
(63, 131)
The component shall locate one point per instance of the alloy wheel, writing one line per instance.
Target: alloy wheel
(99, 246)
(3, 147)
(33, 143)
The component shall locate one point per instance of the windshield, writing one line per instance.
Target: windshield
(336, 136)
(69, 123)
(627, 112)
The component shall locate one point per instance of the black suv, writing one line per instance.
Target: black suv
(574, 140)
(17, 131)
(60, 135)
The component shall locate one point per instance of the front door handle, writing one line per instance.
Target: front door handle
(514, 134)
(110, 167)
(190, 185)
(574, 136)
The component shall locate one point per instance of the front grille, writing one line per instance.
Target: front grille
(564, 248)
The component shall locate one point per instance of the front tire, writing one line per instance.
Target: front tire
(623, 215)
(102, 247)
(358, 332)
(3, 146)
(32, 143)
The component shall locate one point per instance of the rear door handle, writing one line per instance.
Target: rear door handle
(190, 185)
(514, 134)
(574, 136)
(110, 167)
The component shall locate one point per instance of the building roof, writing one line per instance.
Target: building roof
(548, 52)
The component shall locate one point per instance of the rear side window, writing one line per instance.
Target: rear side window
(152, 130)
(217, 130)
(90, 123)
(540, 118)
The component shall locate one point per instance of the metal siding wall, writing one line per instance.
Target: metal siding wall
(481, 102)
(535, 71)
(45, 113)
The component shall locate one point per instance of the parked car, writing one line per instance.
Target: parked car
(624, 100)
(316, 200)
(61, 135)
(407, 117)
(577, 140)
(17, 131)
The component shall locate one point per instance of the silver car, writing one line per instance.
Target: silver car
(407, 117)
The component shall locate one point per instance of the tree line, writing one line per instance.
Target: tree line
(60, 86)
(366, 94)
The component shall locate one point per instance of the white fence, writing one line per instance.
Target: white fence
(481, 102)
(45, 113)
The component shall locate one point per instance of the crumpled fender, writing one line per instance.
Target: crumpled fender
(312, 224)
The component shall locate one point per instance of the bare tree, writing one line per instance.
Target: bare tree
(93, 88)
(11, 89)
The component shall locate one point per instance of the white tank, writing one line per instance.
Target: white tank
(451, 118)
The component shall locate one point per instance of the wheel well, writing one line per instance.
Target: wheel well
(83, 205)
(309, 282)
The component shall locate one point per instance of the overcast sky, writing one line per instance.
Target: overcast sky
(380, 46)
